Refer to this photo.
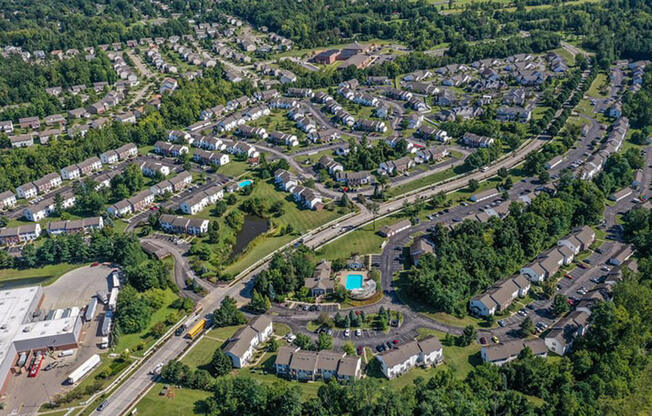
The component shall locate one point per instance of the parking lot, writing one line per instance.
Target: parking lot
(76, 287)
(25, 395)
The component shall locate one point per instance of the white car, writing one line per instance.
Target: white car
(347, 333)
(358, 332)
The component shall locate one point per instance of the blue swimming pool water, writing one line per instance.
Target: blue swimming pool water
(353, 281)
(244, 183)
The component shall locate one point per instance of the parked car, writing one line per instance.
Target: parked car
(360, 349)
(380, 348)
(347, 332)
(495, 339)
(358, 332)
(501, 323)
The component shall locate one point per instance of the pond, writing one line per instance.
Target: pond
(253, 227)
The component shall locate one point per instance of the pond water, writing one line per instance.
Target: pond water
(253, 227)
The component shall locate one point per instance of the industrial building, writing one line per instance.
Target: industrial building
(21, 330)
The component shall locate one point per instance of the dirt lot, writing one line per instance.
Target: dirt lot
(76, 287)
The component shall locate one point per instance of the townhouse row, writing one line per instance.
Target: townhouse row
(307, 197)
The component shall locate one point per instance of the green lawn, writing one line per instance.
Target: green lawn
(364, 240)
(233, 168)
(202, 352)
(42, 275)
(180, 402)
(140, 342)
(459, 359)
(301, 219)
(223, 333)
(597, 88)
(421, 182)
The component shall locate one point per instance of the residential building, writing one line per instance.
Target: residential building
(7, 200)
(398, 360)
(183, 225)
(392, 229)
(560, 339)
(321, 283)
(22, 140)
(15, 235)
(83, 225)
(500, 296)
(296, 364)
(473, 140)
(502, 353)
(240, 347)
(285, 180)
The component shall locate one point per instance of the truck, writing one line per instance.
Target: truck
(106, 323)
(91, 309)
(115, 279)
(22, 359)
(197, 328)
(36, 365)
(66, 353)
(83, 369)
(104, 343)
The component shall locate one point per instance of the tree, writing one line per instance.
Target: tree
(272, 345)
(214, 232)
(375, 209)
(220, 363)
(503, 173)
(544, 176)
(220, 207)
(304, 342)
(133, 313)
(468, 335)
(559, 305)
(473, 185)
(259, 303)
(228, 314)
(527, 326)
(349, 348)
(325, 342)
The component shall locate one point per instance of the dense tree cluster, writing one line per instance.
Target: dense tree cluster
(367, 157)
(286, 273)
(619, 170)
(51, 24)
(638, 106)
(472, 256)
(26, 82)
(18, 166)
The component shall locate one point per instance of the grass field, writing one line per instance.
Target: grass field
(597, 88)
(301, 220)
(139, 342)
(421, 182)
(180, 402)
(364, 240)
(459, 359)
(202, 352)
(42, 275)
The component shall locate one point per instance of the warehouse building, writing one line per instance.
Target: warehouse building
(19, 332)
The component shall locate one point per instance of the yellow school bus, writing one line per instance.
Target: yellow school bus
(197, 328)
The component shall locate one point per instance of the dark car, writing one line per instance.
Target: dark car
(102, 405)
(389, 344)
(360, 349)
(380, 348)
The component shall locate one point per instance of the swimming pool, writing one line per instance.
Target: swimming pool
(353, 281)
(244, 183)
